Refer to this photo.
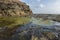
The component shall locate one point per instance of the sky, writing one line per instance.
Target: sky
(44, 6)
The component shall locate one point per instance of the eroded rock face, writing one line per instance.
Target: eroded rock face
(14, 8)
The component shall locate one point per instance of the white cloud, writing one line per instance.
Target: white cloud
(41, 5)
(51, 8)
(55, 7)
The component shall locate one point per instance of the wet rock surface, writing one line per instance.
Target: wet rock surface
(35, 33)
(31, 31)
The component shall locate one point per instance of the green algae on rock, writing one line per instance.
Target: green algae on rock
(10, 22)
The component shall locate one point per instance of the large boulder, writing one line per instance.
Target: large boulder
(14, 8)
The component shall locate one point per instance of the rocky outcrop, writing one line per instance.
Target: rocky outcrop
(36, 32)
(9, 8)
(14, 8)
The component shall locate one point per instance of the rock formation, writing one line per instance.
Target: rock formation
(9, 8)
(14, 8)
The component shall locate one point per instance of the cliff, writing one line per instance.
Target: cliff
(13, 13)
(14, 8)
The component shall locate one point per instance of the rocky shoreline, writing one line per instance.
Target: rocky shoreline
(11, 13)
(32, 32)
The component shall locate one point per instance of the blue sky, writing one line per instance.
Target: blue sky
(44, 6)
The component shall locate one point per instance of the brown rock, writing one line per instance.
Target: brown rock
(14, 8)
